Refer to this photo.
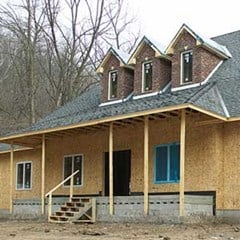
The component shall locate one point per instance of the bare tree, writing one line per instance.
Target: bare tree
(70, 48)
(77, 49)
(121, 32)
(23, 22)
(53, 48)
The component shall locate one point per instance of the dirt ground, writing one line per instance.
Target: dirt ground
(41, 230)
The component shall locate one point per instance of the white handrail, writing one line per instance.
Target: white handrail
(61, 183)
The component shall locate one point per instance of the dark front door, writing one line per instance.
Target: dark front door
(121, 173)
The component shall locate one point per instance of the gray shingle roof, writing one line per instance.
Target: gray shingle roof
(211, 100)
(227, 76)
(221, 95)
(86, 107)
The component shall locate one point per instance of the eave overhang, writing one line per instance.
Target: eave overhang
(109, 119)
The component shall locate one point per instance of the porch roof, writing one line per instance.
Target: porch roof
(86, 107)
(220, 95)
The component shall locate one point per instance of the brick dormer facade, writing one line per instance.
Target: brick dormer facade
(148, 55)
(205, 57)
(114, 66)
(188, 61)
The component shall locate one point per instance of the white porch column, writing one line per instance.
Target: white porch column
(11, 180)
(111, 169)
(146, 156)
(43, 173)
(182, 162)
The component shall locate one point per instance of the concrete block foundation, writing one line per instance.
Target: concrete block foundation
(162, 208)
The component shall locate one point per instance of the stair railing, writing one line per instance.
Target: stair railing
(55, 188)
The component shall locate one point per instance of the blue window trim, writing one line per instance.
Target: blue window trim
(168, 167)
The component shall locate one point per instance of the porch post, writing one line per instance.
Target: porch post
(11, 180)
(43, 174)
(182, 162)
(146, 148)
(111, 168)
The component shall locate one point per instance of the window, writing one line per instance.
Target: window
(147, 77)
(24, 176)
(71, 165)
(186, 67)
(112, 85)
(167, 163)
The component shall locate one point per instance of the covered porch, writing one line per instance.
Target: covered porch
(143, 195)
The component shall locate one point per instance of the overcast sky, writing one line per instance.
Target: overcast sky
(161, 19)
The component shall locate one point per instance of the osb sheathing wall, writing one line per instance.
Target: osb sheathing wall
(203, 156)
(4, 181)
(31, 155)
(91, 146)
(231, 169)
(212, 160)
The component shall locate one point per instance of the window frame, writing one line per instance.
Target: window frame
(168, 181)
(143, 76)
(182, 67)
(109, 84)
(23, 188)
(72, 156)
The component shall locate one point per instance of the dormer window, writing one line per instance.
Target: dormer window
(147, 76)
(186, 67)
(112, 85)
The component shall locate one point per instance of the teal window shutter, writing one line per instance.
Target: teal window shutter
(161, 163)
(167, 163)
(174, 162)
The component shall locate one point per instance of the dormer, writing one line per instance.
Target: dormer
(152, 68)
(194, 58)
(117, 76)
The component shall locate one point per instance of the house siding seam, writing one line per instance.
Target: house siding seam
(203, 61)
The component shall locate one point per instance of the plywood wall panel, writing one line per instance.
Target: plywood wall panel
(212, 160)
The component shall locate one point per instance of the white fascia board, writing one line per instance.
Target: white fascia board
(185, 87)
(183, 27)
(116, 101)
(145, 95)
(165, 88)
(212, 72)
(110, 103)
(128, 97)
